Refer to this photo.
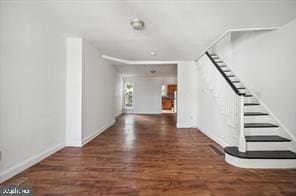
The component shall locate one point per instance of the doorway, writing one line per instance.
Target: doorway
(168, 98)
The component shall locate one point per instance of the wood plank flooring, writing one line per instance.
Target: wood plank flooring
(147, 155)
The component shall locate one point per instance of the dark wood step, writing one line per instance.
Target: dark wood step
(255, 114)
(251, 104)
(219, 61)
(235, 81)
(222, 66)
(230, 76)
(226, 70)
(259, 125)
(266, 138)
(241, 88)
(276, 154)
(248, 95)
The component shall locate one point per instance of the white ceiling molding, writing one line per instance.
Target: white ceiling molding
(119, 61)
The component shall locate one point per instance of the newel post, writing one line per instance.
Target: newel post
(242, 139)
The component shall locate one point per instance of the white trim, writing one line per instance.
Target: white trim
(261, 163)
(15, 169)
(96, 133)
(73, 143)
(185, 125)
(132, 62)
(132, 112)
(118, 114)
(287, 23)
(216, 139)
(235, 30)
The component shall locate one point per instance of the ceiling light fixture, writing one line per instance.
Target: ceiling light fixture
(137, 24)
(152, 53)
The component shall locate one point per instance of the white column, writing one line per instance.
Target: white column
(74, 92)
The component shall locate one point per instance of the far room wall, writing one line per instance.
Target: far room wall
(147, 93)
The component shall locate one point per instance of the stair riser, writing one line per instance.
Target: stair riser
(238, 85)
(252, 109)
(242, 90)
(233, 78)
(257, 119)
(268, 146)
(260, 163)
(261, 131)
(249, 100)
(224, 68)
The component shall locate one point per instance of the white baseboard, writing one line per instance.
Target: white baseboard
(118, 114)
(142, 113)
(185, 125)
(96, 133)
(73, 143)
(216, 139)
(15, 169)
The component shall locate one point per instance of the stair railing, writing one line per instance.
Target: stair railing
(239, 106)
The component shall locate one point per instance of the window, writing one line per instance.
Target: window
(163, 90)
(129, 94)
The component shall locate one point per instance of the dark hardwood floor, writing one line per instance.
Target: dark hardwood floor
(147, 155)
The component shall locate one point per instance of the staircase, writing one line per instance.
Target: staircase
(260, 144)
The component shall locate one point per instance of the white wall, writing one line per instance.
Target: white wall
(211, 119)
(32, 87)
(147, 93)
(33, 91)
(118, 95)
(186, 95)
(90, 92)
(74, 92)
(266, 62)
(98, 93)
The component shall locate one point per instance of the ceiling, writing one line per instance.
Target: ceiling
(175, 29)
(164, 70)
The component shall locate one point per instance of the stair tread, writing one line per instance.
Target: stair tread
(255, 114)
(226, 70)
(266, 138)
(229, 76)
(249, 104)
(248, 95)
(222, 66)
(241, 88)
(235, 81)
(259, 125)
(276, 154)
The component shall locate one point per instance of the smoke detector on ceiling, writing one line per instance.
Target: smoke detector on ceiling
(137, 24)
